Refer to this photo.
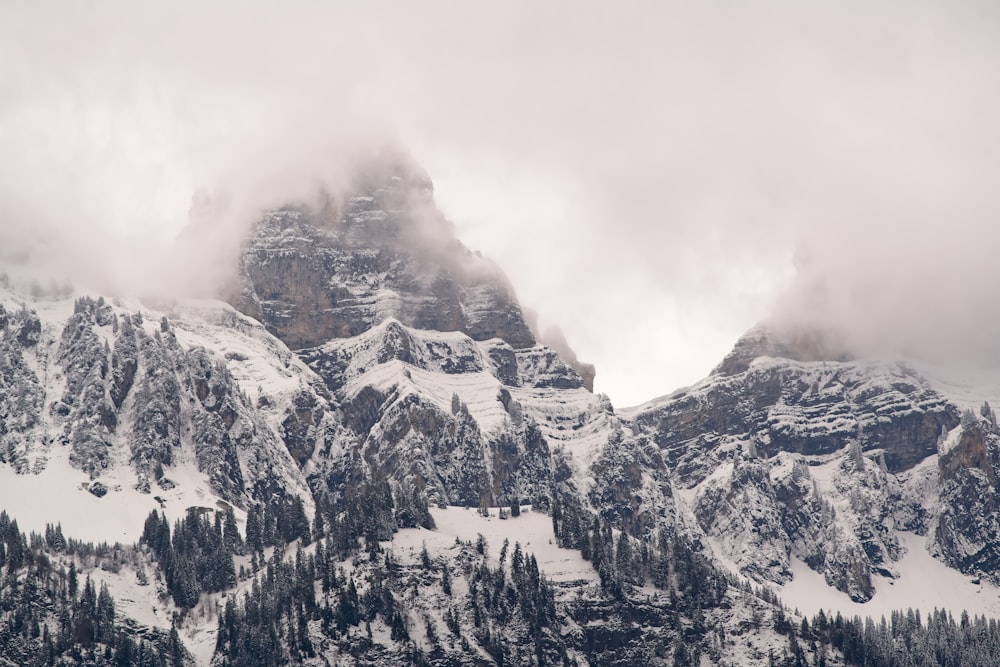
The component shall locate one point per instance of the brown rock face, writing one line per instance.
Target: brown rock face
(967, 528)
(311, 274)
(971, 452)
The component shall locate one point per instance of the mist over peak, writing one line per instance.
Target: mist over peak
(657, 164)
(921, 289)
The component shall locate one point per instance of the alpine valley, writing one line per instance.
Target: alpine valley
(363, 453)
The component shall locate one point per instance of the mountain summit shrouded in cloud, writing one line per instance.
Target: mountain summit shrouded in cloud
(305, 285)
(657, 164)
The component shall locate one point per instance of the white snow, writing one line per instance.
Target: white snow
(479, 390)
(256, 359)
(139, 603)
(58, 495)
(532, 529)
(574, 419)
(924, 583)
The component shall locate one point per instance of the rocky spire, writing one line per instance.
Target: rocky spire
(317, 272)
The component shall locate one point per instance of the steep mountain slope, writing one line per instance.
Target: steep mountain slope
(139, 409)
(332, 469)
(786, 457)
(118, 409)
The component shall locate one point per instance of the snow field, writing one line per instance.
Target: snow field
(532, 529)
(924, 583)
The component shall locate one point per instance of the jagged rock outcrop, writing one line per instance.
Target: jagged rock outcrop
(798, 344)
(440, 412)
(789, 453)
(555, 339)
(810, 408)
(631, 485)
(22, 397)
(398, 319)
(90, 419)
(311, 274)
(967, 529)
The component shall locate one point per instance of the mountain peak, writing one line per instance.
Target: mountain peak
(781, 342)
(317, 272)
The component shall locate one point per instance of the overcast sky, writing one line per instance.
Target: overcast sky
(654, 177)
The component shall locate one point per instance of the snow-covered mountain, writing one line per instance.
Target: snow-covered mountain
(372, 396)
(844, 467)
(116, 409)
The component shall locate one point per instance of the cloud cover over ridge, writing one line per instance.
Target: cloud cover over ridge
(655, 177)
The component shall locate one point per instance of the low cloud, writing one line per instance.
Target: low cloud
(655, 177)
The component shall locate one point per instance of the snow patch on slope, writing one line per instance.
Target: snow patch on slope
(924, 583)
(478, 390)
(59, 494)
(532, 529)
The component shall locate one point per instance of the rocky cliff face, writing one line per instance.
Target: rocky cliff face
(465, 422)
(426, 355)
(965, 531)
(416, 367)
(312, 274)
(786, 453)
(816, 408)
